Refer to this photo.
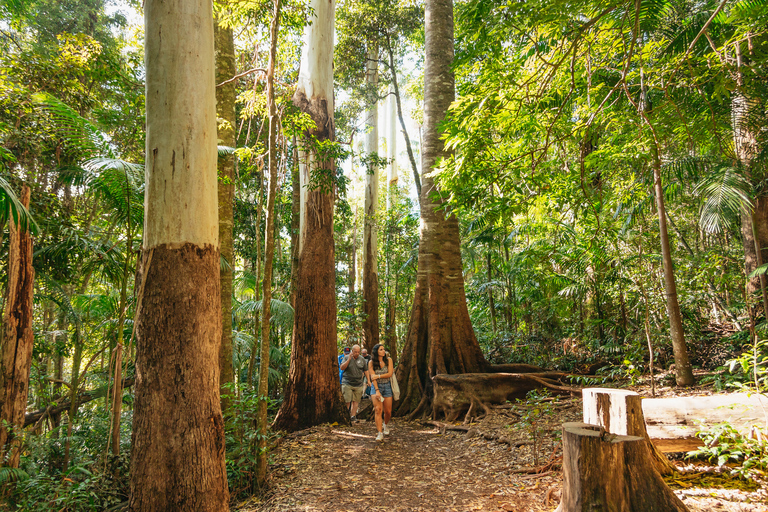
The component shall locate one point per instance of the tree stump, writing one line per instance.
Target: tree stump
(620, 412)
(611, 473)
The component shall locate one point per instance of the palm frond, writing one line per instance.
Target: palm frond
(726, 192)
(9, 475)
(12, 209)
(75, 129)
(282, 312)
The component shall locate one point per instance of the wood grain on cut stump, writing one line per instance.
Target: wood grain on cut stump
(611, 473)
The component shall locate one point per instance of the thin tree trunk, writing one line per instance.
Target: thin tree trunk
(177, 458)
(256, 323)
(491, 302)
(226, 68)
(683, 372)
(440, 338)
(74, 386)
(411, 158)
(269, 253)
(370, 234)
(17, 340)
(117, 391)
(313, 392)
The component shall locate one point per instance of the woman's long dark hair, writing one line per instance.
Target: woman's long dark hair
(375, 356)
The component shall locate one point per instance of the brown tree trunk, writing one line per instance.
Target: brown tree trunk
(370, 220)
(683, 372)
(313, 392)
(177, 458)
(269, 253)
(440, 338)
(611, 473)
(17, 339)
(226, 68)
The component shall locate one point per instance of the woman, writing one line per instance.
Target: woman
(380, 371)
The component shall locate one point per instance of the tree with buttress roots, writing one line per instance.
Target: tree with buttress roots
(313, 392)
(440, 336)
(177, 458)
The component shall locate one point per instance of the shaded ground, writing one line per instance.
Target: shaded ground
(423, 467)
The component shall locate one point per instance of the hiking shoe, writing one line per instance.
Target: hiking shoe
(386, 430)
(380, 437)
(354, 419)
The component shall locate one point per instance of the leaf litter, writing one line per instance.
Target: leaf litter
(490, 465)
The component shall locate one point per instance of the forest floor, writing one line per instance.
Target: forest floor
(488, 466)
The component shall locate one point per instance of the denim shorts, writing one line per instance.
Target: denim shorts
(386, 389)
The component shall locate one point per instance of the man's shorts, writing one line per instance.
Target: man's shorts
(352, 394)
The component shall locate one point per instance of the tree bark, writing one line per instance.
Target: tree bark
(471, 393)
(683, 372)
(440, 338)
(370, 233)
(611, 473)
(17, 339)
(177, 459)
(226, 68)
(269, 253)
(313, 392)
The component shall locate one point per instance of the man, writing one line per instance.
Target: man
(354, 367)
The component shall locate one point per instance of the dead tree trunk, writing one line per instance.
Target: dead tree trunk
(620, 412)
(471, 393)
(611, 473)
(17, 339)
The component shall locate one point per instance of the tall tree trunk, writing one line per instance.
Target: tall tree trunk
(370, 234)
(391, 145)
(440, 338)
(295, 222)
(257, 290)
(17, 339)
(269, 252)
(683, 372)
(226, 68)
(313, 392)
(177, 459)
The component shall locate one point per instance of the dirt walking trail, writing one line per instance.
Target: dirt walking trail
(421, 467)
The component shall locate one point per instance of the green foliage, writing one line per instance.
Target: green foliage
(724, 444)
(242, 437)
(537, 413)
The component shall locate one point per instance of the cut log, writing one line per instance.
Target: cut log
(610, 473)
(471, 393)
(683, 417)
(620, 412)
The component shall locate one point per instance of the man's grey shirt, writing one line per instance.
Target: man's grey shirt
(353, 375)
